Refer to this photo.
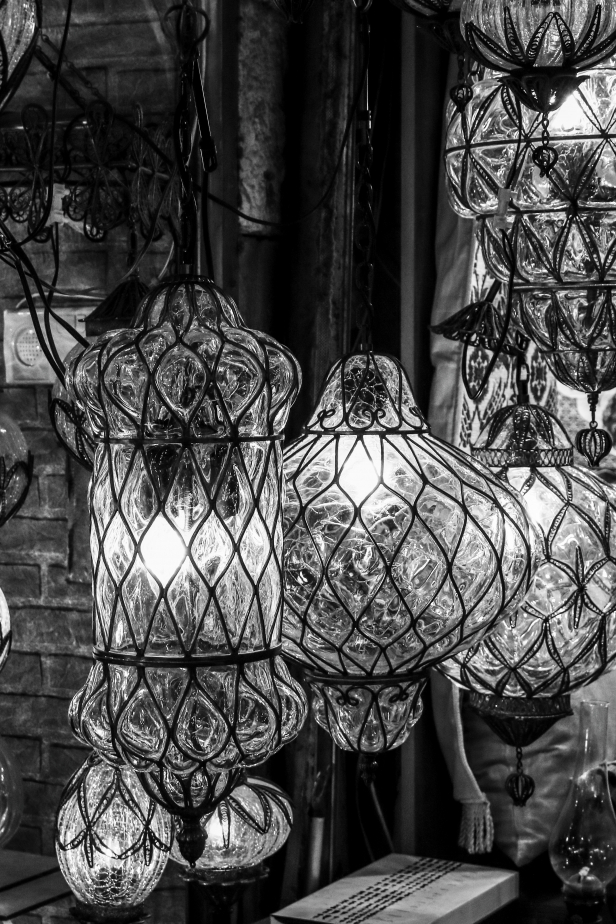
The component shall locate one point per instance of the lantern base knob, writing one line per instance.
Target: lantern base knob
(191, 840)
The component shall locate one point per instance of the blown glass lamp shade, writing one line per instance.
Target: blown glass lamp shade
(399, 551)
(11, 794)
(20, 21)
(112, 841)
(186, 409)
(490, 145)
(246, 828)
(541, 46)
(15, 468)
(563, 635)
(6, 634)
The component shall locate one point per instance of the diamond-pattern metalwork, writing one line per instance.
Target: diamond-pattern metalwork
(186, 409)
(112, 840)
(541, 45)
(398, 550)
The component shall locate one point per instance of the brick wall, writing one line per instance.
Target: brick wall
(44, 556)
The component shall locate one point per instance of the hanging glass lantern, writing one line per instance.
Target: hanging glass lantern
(112, 842)
(15, 468)
(20, 21)
(187, 410)
(541, 47)
(11, 793)
(246, 828)
(398, 552)
(575, 331)
(563, 636)
(6, 634)
(489, 151)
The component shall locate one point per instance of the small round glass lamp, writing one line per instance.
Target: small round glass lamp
(575, 330)
(20, 21)
(112, 842)
(399, 551)
(563, 636)
(251, 824)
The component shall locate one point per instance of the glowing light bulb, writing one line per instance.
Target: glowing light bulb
(359, 468)
(569, 117)
(163, 550)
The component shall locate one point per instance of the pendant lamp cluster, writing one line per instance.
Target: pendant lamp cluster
(547, 232)
(398, 552)
(531, 158)
(384, 551)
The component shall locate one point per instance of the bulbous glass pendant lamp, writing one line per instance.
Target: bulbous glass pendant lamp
(186, 409)
(399, 551)
(15, 468)
(489, 152)
(541, 47)
(11, 794)
(563, 635)
(248, 826)
(112, 842)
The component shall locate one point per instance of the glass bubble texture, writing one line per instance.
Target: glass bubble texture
(112, 840)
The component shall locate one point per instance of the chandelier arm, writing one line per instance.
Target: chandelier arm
(54, 113)
(55, 248)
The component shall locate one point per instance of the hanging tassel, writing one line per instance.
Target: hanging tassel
(476, 828)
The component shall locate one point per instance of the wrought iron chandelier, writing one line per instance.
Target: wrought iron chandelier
(398, 552)
(563, 635)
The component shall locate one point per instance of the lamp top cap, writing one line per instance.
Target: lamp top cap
(369, 393)
(523, 436)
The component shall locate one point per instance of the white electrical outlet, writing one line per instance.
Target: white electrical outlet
(24, 359)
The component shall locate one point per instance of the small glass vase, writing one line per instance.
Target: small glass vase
(583, 843)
